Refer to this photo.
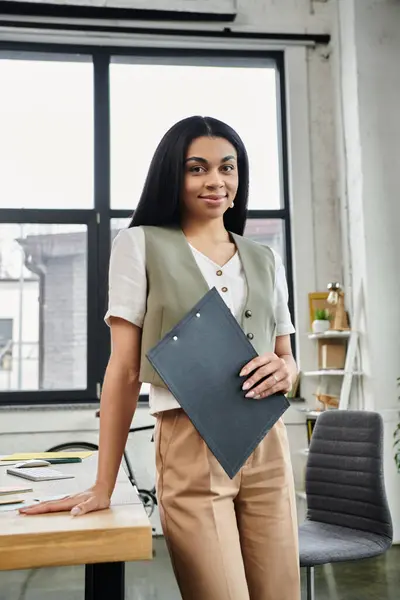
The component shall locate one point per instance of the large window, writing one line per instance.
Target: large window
(77, 136)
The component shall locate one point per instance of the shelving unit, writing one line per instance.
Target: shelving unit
(349, 338)
(304, 451)
(329, 335)
(337, 372)
(301, 494)
(348, 341)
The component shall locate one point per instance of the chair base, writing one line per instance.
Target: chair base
(310, 583)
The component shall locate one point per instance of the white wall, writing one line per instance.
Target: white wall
(370, 90)
(286, 16)
(317, 246)
(378, 51)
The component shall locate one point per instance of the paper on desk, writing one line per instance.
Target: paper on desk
(6, 463)
(30, 455)
(6, 501)
(10, 507)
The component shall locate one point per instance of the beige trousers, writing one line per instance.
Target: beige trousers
(228, 539)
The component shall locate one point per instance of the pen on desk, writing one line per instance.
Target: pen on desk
(60, 461)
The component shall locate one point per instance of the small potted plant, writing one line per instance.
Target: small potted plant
(396, 436)
(321, 321)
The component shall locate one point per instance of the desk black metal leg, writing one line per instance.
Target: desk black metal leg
(105, 581)
(310, 584)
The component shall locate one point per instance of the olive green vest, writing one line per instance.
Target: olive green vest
(175, 284)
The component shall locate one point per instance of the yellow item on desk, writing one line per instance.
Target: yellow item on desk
(6, 501)
(32, 455)
(14, 489)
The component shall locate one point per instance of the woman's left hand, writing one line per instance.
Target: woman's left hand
(271, 367)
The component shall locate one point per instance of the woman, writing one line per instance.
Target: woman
(228, 539)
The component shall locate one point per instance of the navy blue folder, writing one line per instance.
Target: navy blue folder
(199, 361)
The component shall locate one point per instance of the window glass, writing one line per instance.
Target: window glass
(43, 293)
(46, 139)
(147, 99)
(269, 232)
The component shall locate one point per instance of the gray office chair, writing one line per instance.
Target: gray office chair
(347, 512)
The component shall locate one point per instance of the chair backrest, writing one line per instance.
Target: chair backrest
(344, 475)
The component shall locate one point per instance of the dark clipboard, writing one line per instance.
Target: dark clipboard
(199, 361)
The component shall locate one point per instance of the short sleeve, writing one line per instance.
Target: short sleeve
(127, 282)
(284, 325)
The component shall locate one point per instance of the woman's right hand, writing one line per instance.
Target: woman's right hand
(95, 498)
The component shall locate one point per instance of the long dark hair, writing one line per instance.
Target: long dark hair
(160, 199)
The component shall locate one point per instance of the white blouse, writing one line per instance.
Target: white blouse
(128, 292)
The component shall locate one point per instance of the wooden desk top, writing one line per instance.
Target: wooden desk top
(121, 533)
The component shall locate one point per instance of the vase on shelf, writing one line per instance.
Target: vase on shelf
(320, 325)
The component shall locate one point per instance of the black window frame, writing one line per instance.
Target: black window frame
(98, 219)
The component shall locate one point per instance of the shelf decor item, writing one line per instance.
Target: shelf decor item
(310, 424)
(336, 301)
(317, 301)
(332, 353)
(321, 321)
(327, 400)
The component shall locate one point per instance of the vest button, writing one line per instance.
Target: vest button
(219, 273)
(224, 289)
(248, 313)
(250, 336)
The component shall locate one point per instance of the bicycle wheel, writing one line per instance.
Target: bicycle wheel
(147, 497)
(148, 500)
(74, 447)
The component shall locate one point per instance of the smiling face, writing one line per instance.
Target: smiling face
(211, 178)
